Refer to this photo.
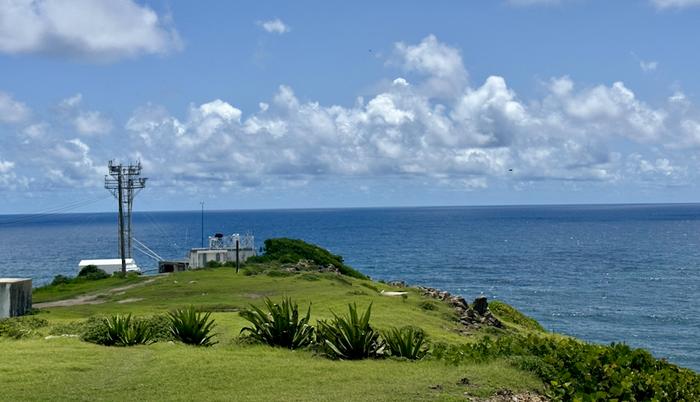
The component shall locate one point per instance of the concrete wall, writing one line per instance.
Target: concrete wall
(15, 297)
(198, 258)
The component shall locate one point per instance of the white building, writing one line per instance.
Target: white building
(111, 266)
(223, 249)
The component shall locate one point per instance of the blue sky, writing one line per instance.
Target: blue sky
(311, 104)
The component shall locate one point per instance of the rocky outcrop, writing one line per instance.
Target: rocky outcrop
(309, 266)
(474, 316)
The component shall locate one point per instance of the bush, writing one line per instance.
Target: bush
(280, 325)
(407, 342)
(191, 327)
(91, 272)
(122, 330)
(350, 337)
(21, 327)
(580, 371)
(291, 251)
(60, 280)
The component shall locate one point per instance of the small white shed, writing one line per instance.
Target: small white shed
(111, 265)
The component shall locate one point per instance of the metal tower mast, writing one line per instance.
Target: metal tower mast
(124, 182)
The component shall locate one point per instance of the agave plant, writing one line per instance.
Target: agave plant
(280, 325)
(122, 330)
(192, 327)
(408, 342)
(351, 336)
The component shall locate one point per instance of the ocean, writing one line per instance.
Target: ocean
(603, 273)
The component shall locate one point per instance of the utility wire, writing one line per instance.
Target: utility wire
(54, 211)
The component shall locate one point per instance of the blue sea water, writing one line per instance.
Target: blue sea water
(604, 273)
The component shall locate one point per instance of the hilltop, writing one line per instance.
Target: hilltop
(49, 360)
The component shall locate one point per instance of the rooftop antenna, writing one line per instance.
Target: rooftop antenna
(124, 183)
(202, 204)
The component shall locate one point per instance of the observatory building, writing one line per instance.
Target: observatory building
(222, 249)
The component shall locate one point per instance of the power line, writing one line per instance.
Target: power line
(53, 211)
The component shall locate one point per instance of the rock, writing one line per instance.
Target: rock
(459, 302)
(481, 305)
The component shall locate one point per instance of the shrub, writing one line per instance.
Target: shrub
(159, 327)
(122, 330)
(291, 251)
(574, 370)
(91, 272)
(280, 325)
(191, 327)
(21, 327)
(60, 280)
(95, 331)
(351, 336)
(428, 305)
(408, 342)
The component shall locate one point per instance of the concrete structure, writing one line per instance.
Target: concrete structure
(223, 249)
(172, 266)
(15, 297)
(111, 266)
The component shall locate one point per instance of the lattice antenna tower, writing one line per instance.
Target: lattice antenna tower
(124, 182)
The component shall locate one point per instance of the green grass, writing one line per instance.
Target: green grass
(68, 369)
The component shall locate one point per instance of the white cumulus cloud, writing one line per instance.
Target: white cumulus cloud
(663, 4)
(274, 26)
(96, 30)
(11, 110)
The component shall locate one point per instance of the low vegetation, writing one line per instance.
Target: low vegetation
(350, 336)
(578, 371)
(407, 342)
(122, 330)
(281, 325)
(285, 250)
(189, 326)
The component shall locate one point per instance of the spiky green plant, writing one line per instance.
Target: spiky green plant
(351, 336)
(122, 330)
(192, 327)
(280, 325)
(407, 342)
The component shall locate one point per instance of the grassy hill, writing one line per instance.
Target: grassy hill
(49, 360)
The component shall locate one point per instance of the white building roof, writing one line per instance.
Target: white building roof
(110, 261)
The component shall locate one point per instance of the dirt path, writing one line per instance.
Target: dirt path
(95, 298)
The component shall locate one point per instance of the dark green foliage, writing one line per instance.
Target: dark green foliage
(192, 327)
(509, 314)
(428, 305)
(21, 327)
(350, 337)
(96, 330)
(91, 272)
(159, 327)
(292, 250)
(407, 342)
(579, 371)
(60, 280)
(280, 325)
(123, 330)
